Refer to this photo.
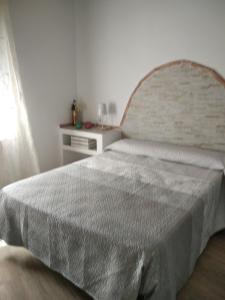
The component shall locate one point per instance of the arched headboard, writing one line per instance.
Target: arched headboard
(181, 102)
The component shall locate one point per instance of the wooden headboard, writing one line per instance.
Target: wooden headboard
(181, 102)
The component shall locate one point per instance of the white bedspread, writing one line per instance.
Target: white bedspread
(117, 225)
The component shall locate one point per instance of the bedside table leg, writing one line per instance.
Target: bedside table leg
(61, 159)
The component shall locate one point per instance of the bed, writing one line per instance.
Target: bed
(131, 222)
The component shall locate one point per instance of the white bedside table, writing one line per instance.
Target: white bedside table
(102, 138)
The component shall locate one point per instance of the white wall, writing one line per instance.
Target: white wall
(119, 41)
(44, 38)
(98, 50)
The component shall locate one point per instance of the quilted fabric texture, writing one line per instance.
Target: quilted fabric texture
(117, 225)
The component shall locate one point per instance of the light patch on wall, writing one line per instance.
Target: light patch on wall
(2, 243)
(8, 116)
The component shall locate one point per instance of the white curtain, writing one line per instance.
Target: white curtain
(17, 155)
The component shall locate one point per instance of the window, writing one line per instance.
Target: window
(17, 154)
(7, 110)
(8, 117)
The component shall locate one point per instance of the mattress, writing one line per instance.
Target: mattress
(119, 225)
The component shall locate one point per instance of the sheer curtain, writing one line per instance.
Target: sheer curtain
(17, 155)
